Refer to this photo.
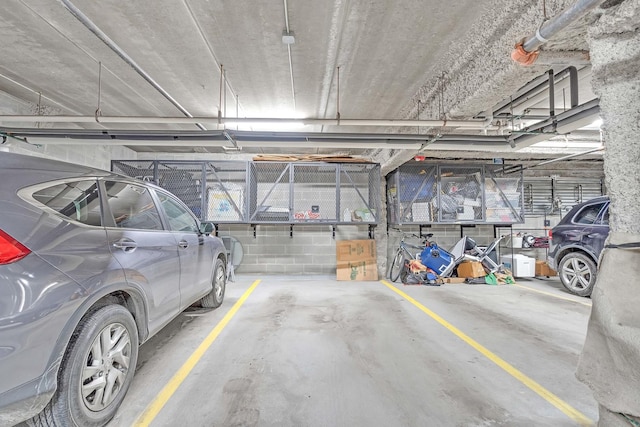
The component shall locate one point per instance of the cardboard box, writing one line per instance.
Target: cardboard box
(356, 260)
(543, 269)
(470, 269)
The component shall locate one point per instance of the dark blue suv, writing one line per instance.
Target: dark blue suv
(576, 244)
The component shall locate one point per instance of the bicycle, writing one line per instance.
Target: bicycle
(403, 253)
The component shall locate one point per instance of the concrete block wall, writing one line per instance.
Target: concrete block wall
(98, 156)
(311, 249)
(320, 195)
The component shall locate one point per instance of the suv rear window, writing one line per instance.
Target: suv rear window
(78, 201)
(588, 214)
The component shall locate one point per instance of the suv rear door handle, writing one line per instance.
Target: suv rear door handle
(183, 244)
(127, 245)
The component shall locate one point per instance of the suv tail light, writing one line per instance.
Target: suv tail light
(10, 249)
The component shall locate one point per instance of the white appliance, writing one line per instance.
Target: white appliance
(520, 265)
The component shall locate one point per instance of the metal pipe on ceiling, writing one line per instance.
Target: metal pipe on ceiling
(77, 13)
(534, 94)
(546, 162)
(572, 82)
(288, 30)
(564, 123)
(558, 23)
(44, 136)
(468, 124)
(126, 143)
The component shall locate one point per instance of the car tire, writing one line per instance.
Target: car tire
(92, 386)
(214, 298)
(577, 273)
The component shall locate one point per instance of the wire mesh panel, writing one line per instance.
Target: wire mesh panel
(226, 191)
(143, 170)
(266, 192)
(185, 180)
(426, 193)
(503, 197)
(314, 192)
(213, 190)
(358, 192)
(411, 193)
(460, 195)
(270, 191)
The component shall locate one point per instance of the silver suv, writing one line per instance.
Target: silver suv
(92, 264)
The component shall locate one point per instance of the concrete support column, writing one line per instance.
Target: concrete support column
(610, 361)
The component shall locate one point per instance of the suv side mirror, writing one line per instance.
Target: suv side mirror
(207, 228)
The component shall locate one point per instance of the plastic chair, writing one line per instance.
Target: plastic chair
(467, 249)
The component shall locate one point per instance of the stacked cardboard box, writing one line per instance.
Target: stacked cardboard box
(356, 260)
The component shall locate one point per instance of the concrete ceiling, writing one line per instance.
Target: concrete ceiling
(383, 60)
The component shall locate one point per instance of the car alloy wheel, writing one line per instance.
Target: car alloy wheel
(96, 370)
(106, 367)
(577, 273)
(214, 298)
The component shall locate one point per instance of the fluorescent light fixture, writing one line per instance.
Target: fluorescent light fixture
(597, 123)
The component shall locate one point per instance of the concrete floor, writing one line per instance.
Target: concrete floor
(311, 351)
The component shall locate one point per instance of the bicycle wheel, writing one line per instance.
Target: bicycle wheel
(396, 266)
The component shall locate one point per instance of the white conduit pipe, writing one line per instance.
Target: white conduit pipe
(468, 124)
(404, 145)
(544, 93)
(77, 13)
(558, 23)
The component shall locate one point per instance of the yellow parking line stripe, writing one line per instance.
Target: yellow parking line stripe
(165, 394)
(553, 295)
(537, 388)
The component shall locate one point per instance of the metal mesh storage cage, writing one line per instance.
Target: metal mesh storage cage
(425, 193)
(267, 192)
(314, 192)
(213, 190)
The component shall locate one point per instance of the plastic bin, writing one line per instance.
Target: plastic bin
(437, 259)
(520, 265)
